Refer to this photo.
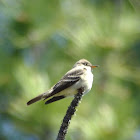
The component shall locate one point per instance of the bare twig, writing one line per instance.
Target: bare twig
(70, 112)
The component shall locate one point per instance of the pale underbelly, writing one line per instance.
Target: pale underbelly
(67, 92)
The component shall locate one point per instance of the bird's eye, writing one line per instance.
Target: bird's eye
(85, 64)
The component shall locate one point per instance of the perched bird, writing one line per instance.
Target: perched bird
(80, 76)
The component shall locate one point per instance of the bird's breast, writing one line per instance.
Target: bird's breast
(86, 81)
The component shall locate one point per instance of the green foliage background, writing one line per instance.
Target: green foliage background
(41, 40)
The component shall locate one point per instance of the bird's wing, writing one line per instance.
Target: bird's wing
(68, 80)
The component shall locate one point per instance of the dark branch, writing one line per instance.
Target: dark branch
(70, 112)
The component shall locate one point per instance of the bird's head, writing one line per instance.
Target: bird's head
(84, 62)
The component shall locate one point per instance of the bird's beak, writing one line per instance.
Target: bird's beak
(94, 66)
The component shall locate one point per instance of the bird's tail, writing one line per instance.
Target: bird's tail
(39, 97)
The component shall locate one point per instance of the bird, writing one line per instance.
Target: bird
(80, 76)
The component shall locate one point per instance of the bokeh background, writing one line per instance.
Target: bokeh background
(41, 40)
